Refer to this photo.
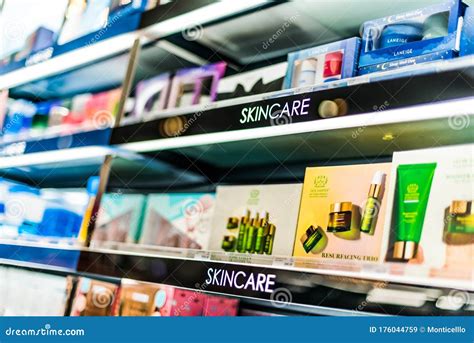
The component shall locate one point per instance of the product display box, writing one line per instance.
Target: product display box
(28, 293)
(406, 37)
(120, 217)
(467, 33)
(188, 303)
(180, 220)
(151, 96)
(432, 221)
(196, 85)
(220, 307)
(145, 299)
(259, 219)
(258, 81)
(94, 298)
(325, 63)
(342, 213)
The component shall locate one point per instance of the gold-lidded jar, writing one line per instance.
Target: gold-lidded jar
(340, 217)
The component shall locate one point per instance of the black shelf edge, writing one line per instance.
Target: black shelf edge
(361, 98)
(280, 287)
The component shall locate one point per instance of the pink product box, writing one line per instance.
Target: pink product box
(220, 307)
(187, 303)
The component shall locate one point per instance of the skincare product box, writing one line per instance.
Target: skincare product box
(145, 299)
(151, 96)
(196, 85)
(325, 63)
(259, 219)
(119, 219)
(407, 36)
(467, 33)
(432, 218)
(187, 303)
(216, 306)
(28, 293)
(380, 67)
(258, 81)
(342, 213)
(94, 298)
(180, 220)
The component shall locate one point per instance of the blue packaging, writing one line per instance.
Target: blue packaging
(467, 33)
(410, 35)
(442, 55)
(332, 61)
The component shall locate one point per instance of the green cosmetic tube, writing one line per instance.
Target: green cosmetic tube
(241, 237)
(413, 190)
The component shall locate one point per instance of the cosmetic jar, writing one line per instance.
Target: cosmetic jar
(332, 108)
(232, 223)
(228, 243)
(460, 223)
(332, 64)
(436, 25)
(314, 240)
(398, 34)
(306, 73)
(340, 217)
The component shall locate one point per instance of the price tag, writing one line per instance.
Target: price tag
(203, 255)
(283, 262)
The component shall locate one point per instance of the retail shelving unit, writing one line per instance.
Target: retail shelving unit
(387, 113)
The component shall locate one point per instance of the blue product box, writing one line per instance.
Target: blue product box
(391, 65)
(323, 63)
(411, 34)
(467, 33)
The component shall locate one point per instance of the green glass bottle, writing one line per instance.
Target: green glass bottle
(252, 234)
(269, 238)
(241, 237)
(262, 231)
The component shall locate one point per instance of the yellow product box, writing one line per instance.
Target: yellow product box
(342, 213)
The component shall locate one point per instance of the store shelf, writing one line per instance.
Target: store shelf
(345, 290)
(385, 115)
(52, 257)
(81, 60)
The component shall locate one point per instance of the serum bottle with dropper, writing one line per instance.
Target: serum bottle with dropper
(372, 205)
